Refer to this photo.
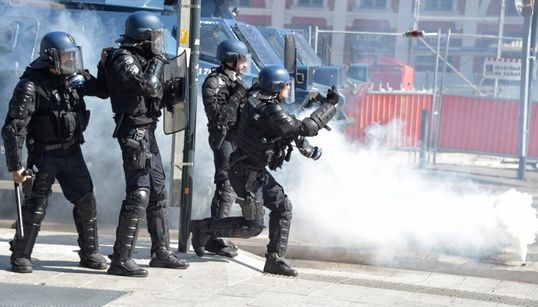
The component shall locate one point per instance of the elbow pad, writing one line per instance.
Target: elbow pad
(152, 76)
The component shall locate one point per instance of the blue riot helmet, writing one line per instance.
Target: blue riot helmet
(232, 51)
(272, 79)
(145, 28)
(59, 50)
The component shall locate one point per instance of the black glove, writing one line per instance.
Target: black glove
(332, 96)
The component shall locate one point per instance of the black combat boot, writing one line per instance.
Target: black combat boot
(163, 258)
(21, 264)
(21, 261)
(277, 265)
(84, 214)
(127, 267)
(222, 247)
(94, 261)
(126, 233)
(33, 213)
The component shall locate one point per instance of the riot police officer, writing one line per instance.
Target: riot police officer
(48, 109)
(264, 135)
(222, 92)
(134, 75)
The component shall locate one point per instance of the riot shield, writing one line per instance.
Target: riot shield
(176, 111)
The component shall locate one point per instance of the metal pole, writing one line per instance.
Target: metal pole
(500, 42)
(310, 36)
(524, 98)
(434, 90)
(423, 138)
(532, 61)
(440, 103)
(416, 14)
(316, 33)
(190, 132)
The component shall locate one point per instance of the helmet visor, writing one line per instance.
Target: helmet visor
(244, 64)
(158, 41)
(68, 62)
(291, 94)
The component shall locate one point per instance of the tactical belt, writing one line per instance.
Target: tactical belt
(66, 145)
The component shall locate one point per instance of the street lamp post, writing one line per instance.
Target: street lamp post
(525, 8)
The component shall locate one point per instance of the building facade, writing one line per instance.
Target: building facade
(396, 16)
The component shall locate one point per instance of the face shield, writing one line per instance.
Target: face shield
(158, 41)
(291, 94)
(68, 62)
(243, 65)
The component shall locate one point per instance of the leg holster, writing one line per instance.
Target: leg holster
(131, 212)
(157, 224)
(279, 229)
(84, 214)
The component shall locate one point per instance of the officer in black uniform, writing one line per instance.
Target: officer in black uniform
(134, 76)
(222, 92)
(264, 135)
(48, 109)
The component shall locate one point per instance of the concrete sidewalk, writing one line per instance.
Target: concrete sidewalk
(215, 281)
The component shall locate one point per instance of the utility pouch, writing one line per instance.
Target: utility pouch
(136, 155)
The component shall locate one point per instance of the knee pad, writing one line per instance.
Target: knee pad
(36, 209)
(136, 200)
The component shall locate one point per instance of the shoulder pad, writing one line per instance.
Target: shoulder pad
(125, 64)
(23, 99)
(213, 85)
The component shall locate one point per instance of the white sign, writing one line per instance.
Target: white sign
(502, 69)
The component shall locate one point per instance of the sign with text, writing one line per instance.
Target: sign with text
(502, 69)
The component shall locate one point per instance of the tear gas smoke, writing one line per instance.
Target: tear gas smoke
(364, 196)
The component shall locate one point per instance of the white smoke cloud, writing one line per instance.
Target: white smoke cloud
(366, 197)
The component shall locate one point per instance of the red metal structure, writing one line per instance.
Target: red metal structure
(467, 124)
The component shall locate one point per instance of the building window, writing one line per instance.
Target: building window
(244, 3)
(438, 5)
(373, 4)
(310, 3)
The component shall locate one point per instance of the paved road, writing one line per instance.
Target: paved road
(216, 281)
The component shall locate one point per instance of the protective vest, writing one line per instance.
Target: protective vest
(60, 116)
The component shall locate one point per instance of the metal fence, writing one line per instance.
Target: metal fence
(469, 83)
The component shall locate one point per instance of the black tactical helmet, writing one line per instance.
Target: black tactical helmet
(273, 78)
(228, 51)
(60, 50)
(54, 42)
(140, 25)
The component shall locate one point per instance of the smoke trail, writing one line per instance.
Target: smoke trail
(363, 196)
